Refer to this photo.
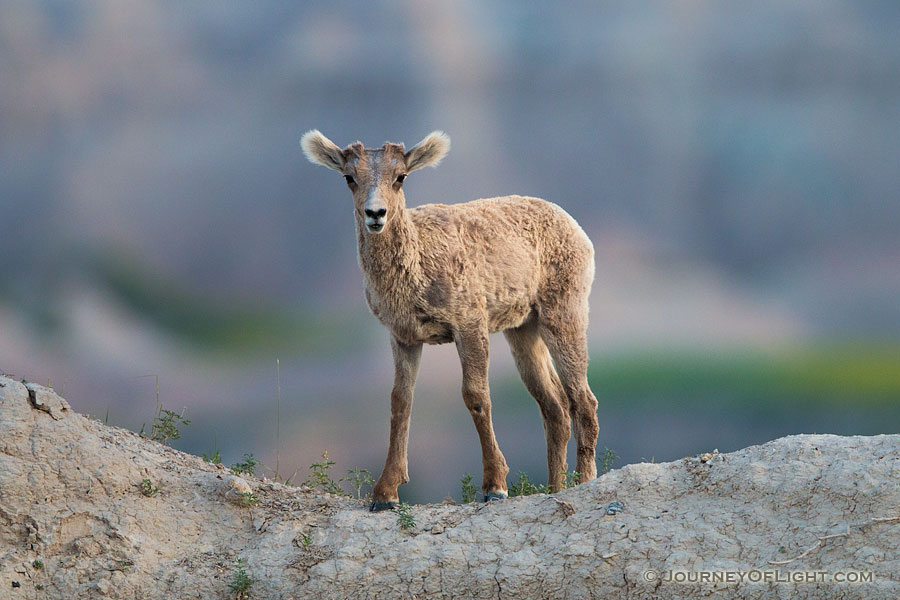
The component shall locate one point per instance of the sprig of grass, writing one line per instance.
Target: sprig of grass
(570, 479)
(404, 518)
(606, 462)
(358, 479)
(248, 499)
(240, 581)
(246, 466)
(166, 424)
(213, 458)
(306, 540)
(277, 418)
(468, 489)
(524, 487)
(148, 489)
(319, 478)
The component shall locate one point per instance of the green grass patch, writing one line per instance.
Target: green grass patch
(841, 374)
(211, 323)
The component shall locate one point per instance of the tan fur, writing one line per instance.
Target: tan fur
(439, 273)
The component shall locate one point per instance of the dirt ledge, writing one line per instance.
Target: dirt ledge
(70, 498)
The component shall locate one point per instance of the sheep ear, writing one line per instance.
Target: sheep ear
(322, 151)
(428, 152)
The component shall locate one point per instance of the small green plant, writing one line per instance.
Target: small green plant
(404, 519)
(358, 478)
(524, 487)
(166, 424)
(148, 489)
(248, 499)
(213, 458)
(39, 586)
(240, 581)
(38, 564)
(319, 476)
(606, 462)
(290, 478)
(320, 479)
(570, 479)
(305, 540)
(468, 489)
(246, 466)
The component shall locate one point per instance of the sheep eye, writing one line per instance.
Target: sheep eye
(349, 179)
(400, 178)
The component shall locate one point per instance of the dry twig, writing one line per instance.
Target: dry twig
(825, 538)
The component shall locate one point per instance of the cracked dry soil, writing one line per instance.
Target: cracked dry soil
(74, 524)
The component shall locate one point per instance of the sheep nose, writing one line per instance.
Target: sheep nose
(376, 214)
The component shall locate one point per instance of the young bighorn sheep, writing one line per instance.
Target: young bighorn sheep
(442, 273)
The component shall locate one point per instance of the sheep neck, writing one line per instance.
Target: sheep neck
(390, 260)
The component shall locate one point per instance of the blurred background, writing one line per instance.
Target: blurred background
(737, 169)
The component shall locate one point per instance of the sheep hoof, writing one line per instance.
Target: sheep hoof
(379, 506)
(494, 496)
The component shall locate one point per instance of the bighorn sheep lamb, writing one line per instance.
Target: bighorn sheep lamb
(442, 273)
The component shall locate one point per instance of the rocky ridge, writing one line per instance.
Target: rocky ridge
(75, 523)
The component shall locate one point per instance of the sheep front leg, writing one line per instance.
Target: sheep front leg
(396, 472)
(473, 353)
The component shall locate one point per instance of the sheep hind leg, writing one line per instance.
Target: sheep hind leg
(566, 338)
(541, 381)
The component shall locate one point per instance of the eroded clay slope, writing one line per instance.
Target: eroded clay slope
(70, 498)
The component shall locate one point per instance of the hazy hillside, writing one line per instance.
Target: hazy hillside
(762, 140)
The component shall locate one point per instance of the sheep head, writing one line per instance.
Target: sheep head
(375, 176)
